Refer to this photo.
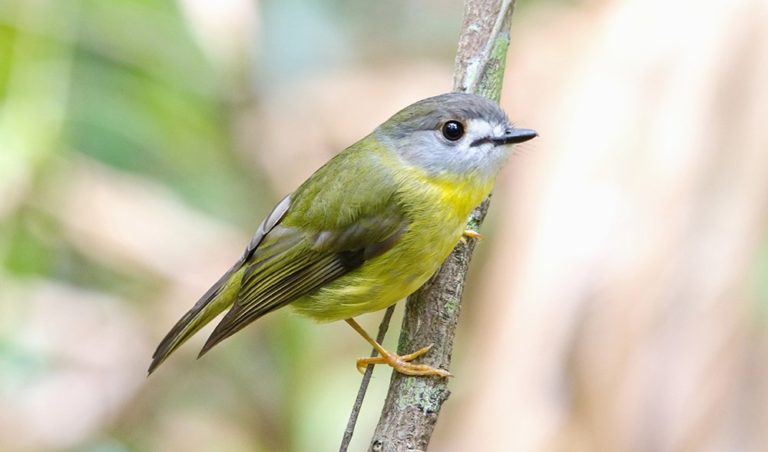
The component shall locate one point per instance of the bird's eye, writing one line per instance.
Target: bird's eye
(453, 130)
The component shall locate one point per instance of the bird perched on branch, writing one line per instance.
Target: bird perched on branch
(368, 228)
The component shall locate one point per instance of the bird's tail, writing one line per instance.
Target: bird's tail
(218, 298)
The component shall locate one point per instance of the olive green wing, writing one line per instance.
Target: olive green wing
(290, 262)
(220, 296)
(343, 215)
(346, 213)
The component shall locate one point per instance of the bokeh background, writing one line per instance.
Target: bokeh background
(618, 303)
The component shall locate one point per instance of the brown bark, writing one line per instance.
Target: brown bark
(413, 403)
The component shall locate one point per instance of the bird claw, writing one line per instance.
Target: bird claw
(470, 234)
(403, 364)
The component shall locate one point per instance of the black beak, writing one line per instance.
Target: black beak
(513, 136)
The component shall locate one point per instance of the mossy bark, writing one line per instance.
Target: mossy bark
(413, 404)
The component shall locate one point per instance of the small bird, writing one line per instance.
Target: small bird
(368, 228)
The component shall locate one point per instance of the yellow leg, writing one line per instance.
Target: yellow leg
(402, 363)
(470, 234)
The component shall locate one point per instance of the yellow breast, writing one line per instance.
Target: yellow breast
(437, 209)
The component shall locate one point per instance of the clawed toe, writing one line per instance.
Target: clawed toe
(403, 365)
(470, 234)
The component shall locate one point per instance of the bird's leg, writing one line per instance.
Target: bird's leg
(470, 234)
(402, 363)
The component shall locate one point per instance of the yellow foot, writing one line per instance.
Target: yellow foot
(472, 234)
(403, 363)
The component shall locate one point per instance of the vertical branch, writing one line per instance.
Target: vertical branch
(350, 430)
(413, 403)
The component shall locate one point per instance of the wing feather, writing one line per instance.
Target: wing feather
(219, 297)
(306, 266)
(311, 238)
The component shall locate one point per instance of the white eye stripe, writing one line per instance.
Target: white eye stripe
(430, 150)
(478, 129)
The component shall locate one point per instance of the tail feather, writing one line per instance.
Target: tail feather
(218, 298)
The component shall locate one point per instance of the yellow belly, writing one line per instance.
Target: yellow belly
(438, 211)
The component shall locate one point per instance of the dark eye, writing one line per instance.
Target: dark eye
(453, 130)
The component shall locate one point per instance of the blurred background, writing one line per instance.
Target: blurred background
(619, 301)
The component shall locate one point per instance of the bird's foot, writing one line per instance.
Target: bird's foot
(470, 234)
(403, 363)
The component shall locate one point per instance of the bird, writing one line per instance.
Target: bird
(368, 228)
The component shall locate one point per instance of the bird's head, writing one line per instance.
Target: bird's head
(452, 134)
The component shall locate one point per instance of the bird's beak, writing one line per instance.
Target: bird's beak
(513, 136)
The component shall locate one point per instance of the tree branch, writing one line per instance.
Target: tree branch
(350, 430)
(413, 403)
